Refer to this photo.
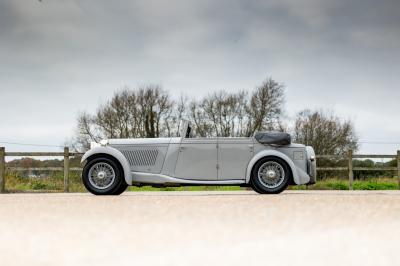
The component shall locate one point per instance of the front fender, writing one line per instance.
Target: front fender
(299, 176)
(115, 154)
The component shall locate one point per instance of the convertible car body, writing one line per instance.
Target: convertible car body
(268, 162)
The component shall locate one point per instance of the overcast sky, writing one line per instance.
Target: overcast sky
(59, 57)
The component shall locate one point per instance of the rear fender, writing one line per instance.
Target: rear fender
(116, 154)
(299, 176)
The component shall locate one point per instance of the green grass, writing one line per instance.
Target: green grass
(55, 183)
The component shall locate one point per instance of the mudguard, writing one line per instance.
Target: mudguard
(115, 154)
(299, 176)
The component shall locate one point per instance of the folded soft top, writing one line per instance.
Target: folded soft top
(273, 137)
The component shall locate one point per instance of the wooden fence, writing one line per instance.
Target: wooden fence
(66, 154)
(350, 169)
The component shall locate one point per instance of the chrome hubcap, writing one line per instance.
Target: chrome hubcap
(101, 175)
(271, 174)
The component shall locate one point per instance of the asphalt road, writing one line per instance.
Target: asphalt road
(201, 228)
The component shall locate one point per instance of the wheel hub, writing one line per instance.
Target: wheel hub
(101, 175)
(271, 174)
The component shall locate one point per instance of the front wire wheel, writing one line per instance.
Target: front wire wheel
(270, 175)
(103, 176)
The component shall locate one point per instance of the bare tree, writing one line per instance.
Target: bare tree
(177, 115)
(145, 112)
(150, 112)
(86, 132)
(202, 126)
(155, 105)
(226, 114)
(219, 114)
(325, 132)
(265, 108)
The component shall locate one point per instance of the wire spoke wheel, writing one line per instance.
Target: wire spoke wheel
(101, 175)
(271, 174)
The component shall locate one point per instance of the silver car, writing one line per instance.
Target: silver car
(268, 162)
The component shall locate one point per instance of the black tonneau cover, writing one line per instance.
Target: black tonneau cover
(274, 138)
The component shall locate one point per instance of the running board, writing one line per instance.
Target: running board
(148, 178)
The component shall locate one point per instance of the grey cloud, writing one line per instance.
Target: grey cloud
(66, 56)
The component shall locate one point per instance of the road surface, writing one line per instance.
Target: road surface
(201, 228)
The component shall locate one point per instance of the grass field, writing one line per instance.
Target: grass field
(55, 182)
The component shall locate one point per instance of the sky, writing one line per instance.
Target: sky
(61, 57)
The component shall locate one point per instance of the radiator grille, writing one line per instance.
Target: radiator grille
(141, 157)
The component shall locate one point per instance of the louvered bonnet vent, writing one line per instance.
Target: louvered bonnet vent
(141, 157)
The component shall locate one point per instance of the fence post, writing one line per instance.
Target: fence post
(398, 168)
(351, 176)
(2, 169)
(66, 169)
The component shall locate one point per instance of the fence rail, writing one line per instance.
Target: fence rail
(43, 168)
(49, 154)
(358, 156)
(67, 154)
(350, 168)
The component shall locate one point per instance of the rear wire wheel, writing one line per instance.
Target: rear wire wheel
(270, 175)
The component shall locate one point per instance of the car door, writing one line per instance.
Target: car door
(197, 159)
(234, 155)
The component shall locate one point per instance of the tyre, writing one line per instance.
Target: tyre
(121, 189)
(270, 175)
(103, 176)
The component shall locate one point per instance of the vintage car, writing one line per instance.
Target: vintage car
(268, 162)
